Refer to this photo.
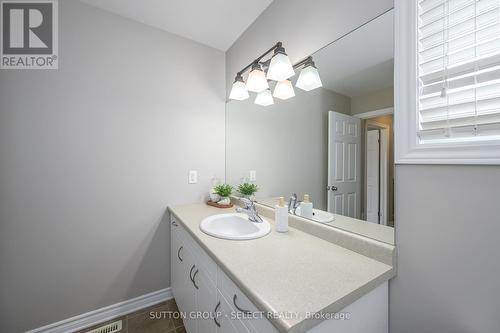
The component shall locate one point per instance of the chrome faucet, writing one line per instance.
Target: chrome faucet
(293, 203)
(250, 210)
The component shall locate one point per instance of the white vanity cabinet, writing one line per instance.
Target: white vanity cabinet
(202, 290)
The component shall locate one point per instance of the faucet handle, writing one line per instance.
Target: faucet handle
(247, 202)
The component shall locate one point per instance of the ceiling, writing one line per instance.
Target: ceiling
(216, 23)
(361, 62)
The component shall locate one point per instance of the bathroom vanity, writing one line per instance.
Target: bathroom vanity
(282, 282)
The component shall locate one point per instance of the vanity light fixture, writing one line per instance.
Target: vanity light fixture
(277, 68)
(309, 77)
(284, 90)
(257, 81)
(239, 90)
(264, 98)
(280, 67)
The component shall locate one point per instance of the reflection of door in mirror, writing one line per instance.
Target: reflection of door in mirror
(344, 184)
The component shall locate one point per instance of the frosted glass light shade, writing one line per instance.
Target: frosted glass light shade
(309, 79)
(280, 68)
(284, 90)
(264, 98)
(239, 91)
(257, 81)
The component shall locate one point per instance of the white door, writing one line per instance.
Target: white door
(372, 175)
(344, 155)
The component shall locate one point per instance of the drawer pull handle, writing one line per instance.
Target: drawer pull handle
(216, 314)
(191, 273)
(175, 223)
(237, 307)
(194, 282)
(179, 253)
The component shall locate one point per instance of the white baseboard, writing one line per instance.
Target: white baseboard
(91, 318)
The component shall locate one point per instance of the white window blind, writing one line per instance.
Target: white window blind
(458, 70)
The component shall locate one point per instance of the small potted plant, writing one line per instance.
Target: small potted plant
(223, 191)
(248, 190)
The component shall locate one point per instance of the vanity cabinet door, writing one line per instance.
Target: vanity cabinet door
(182, 265)
(178, 271)
(206, 302)
(189, 293)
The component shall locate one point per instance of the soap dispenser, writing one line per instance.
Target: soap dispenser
(306, 207)
(281, 216)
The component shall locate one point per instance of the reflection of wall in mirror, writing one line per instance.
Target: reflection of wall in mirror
(377, 100)
(286, 143)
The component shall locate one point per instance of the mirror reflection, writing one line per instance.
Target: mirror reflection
(328, 151)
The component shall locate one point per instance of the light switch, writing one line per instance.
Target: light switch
(193, 177)
(253, 175)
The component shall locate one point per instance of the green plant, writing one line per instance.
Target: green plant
(247, 188)
(224, 190)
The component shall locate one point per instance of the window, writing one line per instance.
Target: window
(448, 81)
(459, 70)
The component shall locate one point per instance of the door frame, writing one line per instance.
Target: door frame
(375, 113)
(384, 169)
(377, 165)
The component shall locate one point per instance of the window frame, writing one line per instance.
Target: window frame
(407, 149)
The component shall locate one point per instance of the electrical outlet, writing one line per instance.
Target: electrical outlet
(193, 177)
(253, 175)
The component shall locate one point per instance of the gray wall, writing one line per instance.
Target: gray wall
(374, 101)
(447, 217)
(447, 234)
(90, 157)
(286, 143)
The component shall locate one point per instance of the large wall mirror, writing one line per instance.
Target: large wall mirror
(332, 145)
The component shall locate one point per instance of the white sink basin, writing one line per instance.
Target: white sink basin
(318, 215)
(234, 226)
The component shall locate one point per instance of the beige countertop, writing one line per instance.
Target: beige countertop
(288, 273)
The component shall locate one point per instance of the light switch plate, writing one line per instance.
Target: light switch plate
(253, 175)
(193, 177)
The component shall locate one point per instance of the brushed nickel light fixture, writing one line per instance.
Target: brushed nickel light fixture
(278, 68)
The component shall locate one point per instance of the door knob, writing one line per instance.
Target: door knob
(334, 188)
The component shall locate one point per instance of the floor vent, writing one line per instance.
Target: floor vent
(109, 328)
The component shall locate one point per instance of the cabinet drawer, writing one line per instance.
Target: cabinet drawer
(241, 303)
(225, 320)
(175, 228)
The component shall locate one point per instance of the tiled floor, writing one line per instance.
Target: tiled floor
(158, 318)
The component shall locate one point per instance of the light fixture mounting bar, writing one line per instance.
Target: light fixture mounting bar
(257, 60)
(304, 61)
